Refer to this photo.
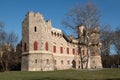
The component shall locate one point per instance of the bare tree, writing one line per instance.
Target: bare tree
(88, 16)
(117, 44)
(1, 26)
(17, 57)
(2, 32)
(8, 50)
(2, 38)
(106, 38)
(7, 56)
(11, 38)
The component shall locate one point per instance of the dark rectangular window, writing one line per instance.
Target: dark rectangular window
(62, 62)
(47, 61)
(54, 49)
(35, 60)
(73, 51)
(67, 50)
(46, 46)
(68, 62)
(61, 49)
(35, 29)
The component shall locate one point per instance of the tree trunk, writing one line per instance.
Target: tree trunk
(3, 67)
(87, 63)
(81, 62)
(6, 66)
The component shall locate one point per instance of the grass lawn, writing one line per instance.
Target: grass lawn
(104, 74)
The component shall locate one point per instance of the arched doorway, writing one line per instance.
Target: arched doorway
(73, 64)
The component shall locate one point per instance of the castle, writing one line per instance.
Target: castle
(46, 48)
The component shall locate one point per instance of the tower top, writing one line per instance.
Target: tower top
(34, 14)
(81, 28)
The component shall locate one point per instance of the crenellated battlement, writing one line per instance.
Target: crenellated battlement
(35, 15)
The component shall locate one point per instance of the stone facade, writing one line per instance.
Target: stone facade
(46, 48)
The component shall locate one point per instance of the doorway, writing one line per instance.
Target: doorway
(73, 64)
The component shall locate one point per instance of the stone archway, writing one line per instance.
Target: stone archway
(73, 64)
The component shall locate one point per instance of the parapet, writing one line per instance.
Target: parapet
(48, 23)
(35, 15)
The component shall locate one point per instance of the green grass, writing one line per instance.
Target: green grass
(104, 74)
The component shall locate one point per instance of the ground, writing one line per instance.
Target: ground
(103, 74)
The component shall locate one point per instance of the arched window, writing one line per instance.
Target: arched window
(35, 45)
(35, 28)
(25, 47)
(73, 63)
(46, 46)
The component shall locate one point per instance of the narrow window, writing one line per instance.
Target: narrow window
(55, 34)
(35, 45)
(35, 60)
(47, 61)
(68, 62)
(67, 50)
(35, 28)
(52, 33)
(46, 46)
(25, 47)
(54, 49)
(73, 51)
(62, 62)
(61, 50)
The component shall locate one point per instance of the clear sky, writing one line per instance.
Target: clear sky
(12, 12)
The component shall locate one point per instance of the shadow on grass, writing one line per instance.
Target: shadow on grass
(47, 78)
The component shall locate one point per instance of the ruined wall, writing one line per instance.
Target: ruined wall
(90, 39)
(95, 52)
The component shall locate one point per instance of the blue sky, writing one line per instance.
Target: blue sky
(12, 12)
